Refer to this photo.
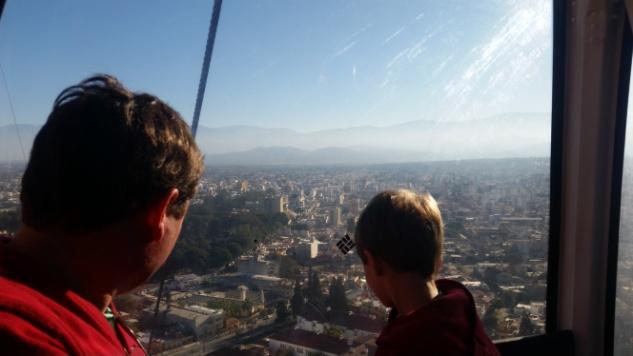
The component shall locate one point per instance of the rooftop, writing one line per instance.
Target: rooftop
(351, 322)
(314, 341)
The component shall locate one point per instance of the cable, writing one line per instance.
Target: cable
(15, 121)
(215, 18)
(2, 2)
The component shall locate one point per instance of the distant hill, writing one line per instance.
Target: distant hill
(513, 133)
(323, 156)
(507, 135)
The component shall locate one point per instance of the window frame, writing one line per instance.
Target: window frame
(556, 158)
(591, 77)
(626, 53)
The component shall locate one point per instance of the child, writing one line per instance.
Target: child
(399, 238)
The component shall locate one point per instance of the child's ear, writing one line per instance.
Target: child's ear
(375, 264)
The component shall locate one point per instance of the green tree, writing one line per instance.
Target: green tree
(508, 299)
(337, 301)
(490, 317)
(217, 256)
(334, 331)
(297, 300)
(213, 234)
(313, 290)
(282, 311)
(288, 267)
(490, 276)
(526, 327)
(514, 255)
(234, 248)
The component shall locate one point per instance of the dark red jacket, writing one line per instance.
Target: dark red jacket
(39, 316)
(447, 326)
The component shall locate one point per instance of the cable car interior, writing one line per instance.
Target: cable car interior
(512, 114)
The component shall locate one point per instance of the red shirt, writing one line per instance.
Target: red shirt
(40, 316)
(447, 326)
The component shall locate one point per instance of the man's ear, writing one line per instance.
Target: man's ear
(157, 213)
(374, 263)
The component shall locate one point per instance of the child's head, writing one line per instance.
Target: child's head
(399, 232)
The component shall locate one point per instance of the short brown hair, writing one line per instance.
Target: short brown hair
(403, 229)
(103, 154)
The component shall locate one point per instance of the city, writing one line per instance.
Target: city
(257, 270)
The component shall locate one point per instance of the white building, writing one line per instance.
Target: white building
(278, 204)
(257, 265)
(185, 281)
(301, 342)
(355, 327)
(199, 320)
(308, 250)
(336, 217)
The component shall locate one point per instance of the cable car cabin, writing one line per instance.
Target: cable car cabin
(511, 114)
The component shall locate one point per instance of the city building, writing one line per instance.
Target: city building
(335, 217)
(257, 265)
(185, 281)
(244, 186)
(278, 204)
(307, 250)
(301, 342)
(354, 327)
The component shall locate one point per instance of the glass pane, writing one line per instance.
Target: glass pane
(323, 105)
(311, 109)
(623, 341)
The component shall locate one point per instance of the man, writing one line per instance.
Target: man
(103, 198)
(399, 238)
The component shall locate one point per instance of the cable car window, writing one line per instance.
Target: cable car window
(312, 108)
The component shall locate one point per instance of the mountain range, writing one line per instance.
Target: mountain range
(501, 136)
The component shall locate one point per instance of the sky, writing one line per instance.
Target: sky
(303, 65)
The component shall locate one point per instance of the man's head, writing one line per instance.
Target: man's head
(399, 232)
(108, 159)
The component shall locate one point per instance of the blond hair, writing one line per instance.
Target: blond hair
(403, 229)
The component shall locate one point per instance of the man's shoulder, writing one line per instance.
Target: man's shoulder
(28, 321)
(31, 306)
(28, 289)
(21, 336)
(20, 297)
(17, 293)
(56, 322)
